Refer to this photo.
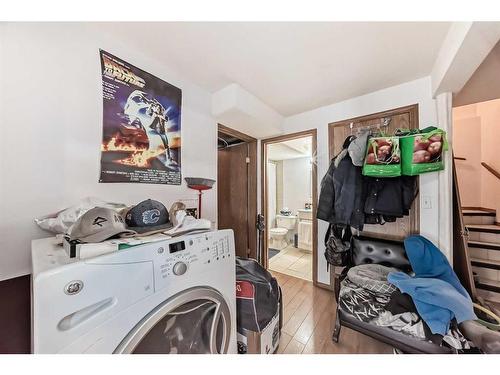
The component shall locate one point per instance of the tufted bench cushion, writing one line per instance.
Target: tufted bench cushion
(387, 253)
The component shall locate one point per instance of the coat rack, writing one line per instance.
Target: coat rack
(384, 123)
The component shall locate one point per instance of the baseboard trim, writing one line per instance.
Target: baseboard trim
(323, 285)
(15, 276)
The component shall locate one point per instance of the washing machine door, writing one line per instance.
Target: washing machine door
(194, 321)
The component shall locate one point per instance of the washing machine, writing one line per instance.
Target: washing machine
(172, 296)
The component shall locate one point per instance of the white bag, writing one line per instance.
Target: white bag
(61, 221)
(187, 224)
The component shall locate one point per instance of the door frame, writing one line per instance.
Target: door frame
(252, 186)
(314, 181)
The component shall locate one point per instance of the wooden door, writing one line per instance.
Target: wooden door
(388, 122)
(235, 196)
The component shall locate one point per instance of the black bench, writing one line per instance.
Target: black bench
(388, 253)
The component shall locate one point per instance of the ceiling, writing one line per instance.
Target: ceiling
(291, 66)
(291, 149)
(484, 84)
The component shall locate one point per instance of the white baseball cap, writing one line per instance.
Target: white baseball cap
(97, 225)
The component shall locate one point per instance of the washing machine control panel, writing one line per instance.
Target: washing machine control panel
(196, 253)
(179, 268)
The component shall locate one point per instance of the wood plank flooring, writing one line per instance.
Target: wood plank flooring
(308, 319)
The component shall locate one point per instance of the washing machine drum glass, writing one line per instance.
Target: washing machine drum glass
(183, 325)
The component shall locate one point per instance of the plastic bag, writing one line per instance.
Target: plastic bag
(383, 158)
(61, 221)
(422, 153)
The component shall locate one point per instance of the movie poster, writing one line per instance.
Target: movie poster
(141, 125)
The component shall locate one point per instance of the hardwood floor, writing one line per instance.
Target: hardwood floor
(308, 318)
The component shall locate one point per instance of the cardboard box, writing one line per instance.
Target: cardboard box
(265, 342)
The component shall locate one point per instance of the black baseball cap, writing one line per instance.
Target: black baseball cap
(148, 217)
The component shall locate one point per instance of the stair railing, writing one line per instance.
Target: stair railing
(490, 169)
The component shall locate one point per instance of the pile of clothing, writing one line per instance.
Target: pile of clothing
(428, 304)
(348, 198)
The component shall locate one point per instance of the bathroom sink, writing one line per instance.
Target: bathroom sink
(305, 214)
(286, 216)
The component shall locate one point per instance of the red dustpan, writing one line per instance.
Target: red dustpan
(200, 184)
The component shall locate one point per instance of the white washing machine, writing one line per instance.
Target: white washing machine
(173, 296)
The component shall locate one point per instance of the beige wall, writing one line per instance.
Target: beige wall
(279, 185)
(476, 136)
(467, 144)
(296, 183)
(484, 83)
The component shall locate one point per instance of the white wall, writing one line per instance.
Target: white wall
(418, 91)
(272, 208)
(466, 45)
(296, 183)
(51, 129)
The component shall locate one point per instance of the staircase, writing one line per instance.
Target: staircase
(484, 251)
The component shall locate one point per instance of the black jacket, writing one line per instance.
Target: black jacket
(340, 200)
(327, 195)
(390, 197)
(349, 198)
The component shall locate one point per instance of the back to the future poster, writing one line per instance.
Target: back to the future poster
(141, 125)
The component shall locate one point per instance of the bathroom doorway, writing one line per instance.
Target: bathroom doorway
(289, 198)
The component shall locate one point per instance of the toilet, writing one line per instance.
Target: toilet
(278, 234)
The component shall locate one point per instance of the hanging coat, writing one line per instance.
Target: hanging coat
(340, 200)
(349, 198)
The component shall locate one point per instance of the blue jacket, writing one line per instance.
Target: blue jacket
(436, 291)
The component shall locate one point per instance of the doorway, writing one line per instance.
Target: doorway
(237, 188)
(477, 169)
(289, 199)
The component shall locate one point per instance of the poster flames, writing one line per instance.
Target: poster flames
(140, 156)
